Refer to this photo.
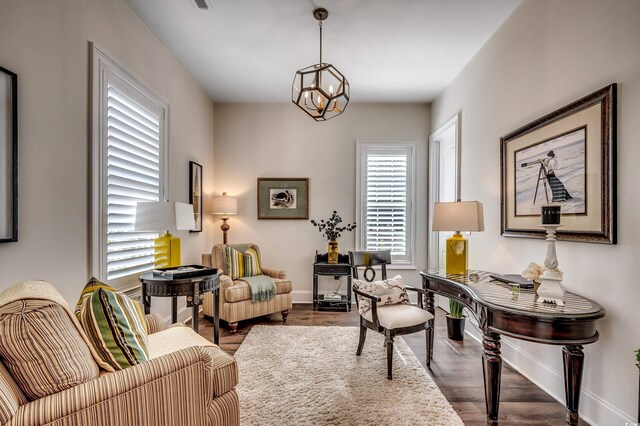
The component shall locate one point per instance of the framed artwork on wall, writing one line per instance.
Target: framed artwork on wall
(8, 156)
(567, 157)
(283, 198)
(195, 193)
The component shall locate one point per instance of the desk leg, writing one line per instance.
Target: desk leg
(573, 358)
(491, 369)
(195, 316)
(431, 308)
(174, 309)
(315, 292)
(216, 316)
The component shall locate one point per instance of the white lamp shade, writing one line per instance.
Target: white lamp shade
(164, 216)
(225, 204)
(458, 216)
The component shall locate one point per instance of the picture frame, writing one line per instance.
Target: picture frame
(8, 156)
(283, 198)
(195, 193)
(567, 157)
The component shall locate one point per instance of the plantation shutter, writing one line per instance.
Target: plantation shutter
(387, 202)
(133, 166)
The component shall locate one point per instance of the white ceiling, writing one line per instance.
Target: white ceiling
(389, 50)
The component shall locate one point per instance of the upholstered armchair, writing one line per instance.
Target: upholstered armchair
(235, 295)
(186, 381)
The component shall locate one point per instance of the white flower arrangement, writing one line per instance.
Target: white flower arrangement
(533, 272)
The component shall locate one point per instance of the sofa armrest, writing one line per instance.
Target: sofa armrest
(159, 389)
(155, 323)
(274, 273)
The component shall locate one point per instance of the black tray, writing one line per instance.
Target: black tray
(513, 279)
(176, 272)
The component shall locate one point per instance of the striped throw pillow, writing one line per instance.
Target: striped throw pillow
(114, 324)
(245, 264)
(42, 348)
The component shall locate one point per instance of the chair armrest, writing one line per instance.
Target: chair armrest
(374, 305)
(207, 259)
(155, 323)
(274, 273)
(416, 289)
(174, 381)
(422, 292)
(367, 295)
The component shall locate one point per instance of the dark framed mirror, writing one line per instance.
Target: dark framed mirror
(8, 156)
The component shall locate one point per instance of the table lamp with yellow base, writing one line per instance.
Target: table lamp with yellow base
(458, 216)
(165, 216)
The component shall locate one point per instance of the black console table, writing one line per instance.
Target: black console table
(341, 269)
(193, 288)
(501, 311)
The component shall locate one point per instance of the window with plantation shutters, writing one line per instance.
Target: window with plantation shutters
(129, 167)
(385, 198)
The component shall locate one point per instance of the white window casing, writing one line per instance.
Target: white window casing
(129, 164)
(385, 198)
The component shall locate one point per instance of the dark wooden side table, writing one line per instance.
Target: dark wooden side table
(341, 269)
(502, 310)
(193, 288)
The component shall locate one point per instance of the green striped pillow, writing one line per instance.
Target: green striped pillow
(114, 324)
(245, 264)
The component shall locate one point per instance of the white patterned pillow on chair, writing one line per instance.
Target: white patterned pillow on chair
(392, 292)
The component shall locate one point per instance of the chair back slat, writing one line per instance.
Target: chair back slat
(367, 260)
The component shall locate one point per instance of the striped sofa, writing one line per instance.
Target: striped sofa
(235, 296)
(187, 381)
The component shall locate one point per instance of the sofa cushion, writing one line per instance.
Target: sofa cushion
(115, 326)
(240, 290)
(392, 292)
(11, 397)
(241, 264)
(225, 369)
(42, 348)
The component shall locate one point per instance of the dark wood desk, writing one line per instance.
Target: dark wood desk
(193, 288)
(500, 311)
(340, 269)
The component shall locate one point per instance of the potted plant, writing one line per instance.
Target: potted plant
(455, 320)
(332, 231)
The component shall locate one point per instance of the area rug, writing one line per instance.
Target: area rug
(299, 375)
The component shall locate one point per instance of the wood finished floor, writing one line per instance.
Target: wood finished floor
(456, 368)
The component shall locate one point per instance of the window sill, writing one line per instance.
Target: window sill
(403, 266)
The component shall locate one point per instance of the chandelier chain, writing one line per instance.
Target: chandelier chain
(320, 24)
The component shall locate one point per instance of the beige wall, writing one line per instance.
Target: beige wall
(548, 54)
(279, 140)
(47, 44)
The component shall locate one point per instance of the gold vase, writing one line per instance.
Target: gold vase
(332, 252)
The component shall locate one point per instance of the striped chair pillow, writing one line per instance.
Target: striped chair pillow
(245, 264)
(114, 324)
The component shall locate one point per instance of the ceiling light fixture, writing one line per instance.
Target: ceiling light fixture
(320, 90)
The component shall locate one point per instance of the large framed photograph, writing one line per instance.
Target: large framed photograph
(195, 193)
(568, 158)
(283, 198)
(8, 156)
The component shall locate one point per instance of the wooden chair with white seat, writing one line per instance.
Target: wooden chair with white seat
(388, 319)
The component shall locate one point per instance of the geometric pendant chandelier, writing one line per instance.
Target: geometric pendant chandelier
(320, 90)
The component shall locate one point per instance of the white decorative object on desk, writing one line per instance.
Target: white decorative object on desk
(550, 290)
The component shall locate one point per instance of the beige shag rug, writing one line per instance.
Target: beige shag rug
(298, 375)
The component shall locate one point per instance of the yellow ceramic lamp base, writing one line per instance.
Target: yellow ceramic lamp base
(167, 251)
(457, 254)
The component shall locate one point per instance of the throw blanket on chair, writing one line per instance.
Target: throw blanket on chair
(263, 288)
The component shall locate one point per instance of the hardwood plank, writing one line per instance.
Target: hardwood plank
(456, 368)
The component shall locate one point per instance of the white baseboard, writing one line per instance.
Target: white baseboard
(184, 314)
(593, 409)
